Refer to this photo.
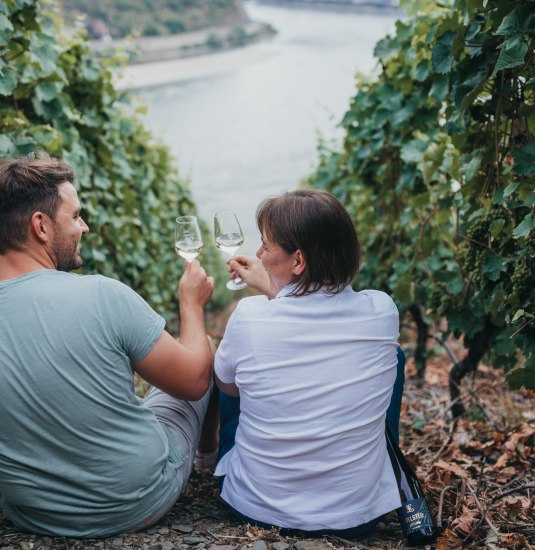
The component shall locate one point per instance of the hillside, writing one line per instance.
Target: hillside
(120, 18)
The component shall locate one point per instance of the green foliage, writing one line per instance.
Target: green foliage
(153, 17)
(55, 96)
(438, 171)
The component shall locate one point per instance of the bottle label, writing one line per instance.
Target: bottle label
(415, 515)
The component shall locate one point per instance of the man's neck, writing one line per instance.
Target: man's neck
(14, 264)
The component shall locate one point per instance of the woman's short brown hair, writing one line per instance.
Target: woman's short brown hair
(316, 223)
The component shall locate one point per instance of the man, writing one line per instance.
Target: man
(80, 454)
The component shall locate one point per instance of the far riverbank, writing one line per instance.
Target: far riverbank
(145, 49)
(189, 56)
(159, 73)
(376, 7)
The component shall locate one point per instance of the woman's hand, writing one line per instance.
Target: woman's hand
(251, 270)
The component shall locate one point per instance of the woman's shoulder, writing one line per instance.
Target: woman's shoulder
(251, 305)
(378, 301)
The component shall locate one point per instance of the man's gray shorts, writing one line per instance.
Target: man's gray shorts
(183, 420)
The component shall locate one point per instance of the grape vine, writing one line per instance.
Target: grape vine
(55, 96)
(437, 168)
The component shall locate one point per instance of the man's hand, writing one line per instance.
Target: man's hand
(195, 288)
(251, 270)
(183, 368)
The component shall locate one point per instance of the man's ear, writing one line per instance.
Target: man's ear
(299, 263)
(41, 227)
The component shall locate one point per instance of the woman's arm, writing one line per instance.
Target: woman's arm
(230, 389)
(251, 270)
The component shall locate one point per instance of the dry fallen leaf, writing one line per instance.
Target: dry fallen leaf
(451, 467)
(448, 541)
(464, 524)
(515, 506)
(514, 541)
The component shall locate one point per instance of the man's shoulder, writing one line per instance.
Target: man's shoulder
(91, 282)
(113, 287)
(60, 278)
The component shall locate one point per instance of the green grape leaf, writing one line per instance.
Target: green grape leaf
(6, 146)
(511, 57)
(516, 21)
(456, 286)
(98, 256)
(25, 145)
(493, 266)
(523, 376)
(530, 201)
(440, 87)
(46, 136)
(48, 91)
(511, 188)
(422, 70)
(497, 299)
(496, 227)
(5, 23)
(524, 227)
(8, 80)
(471, 169)
(413, 151)
(441, 56)
(404, 29)
(412, 7)
(517, 315)
(385, 48)
(525, 159)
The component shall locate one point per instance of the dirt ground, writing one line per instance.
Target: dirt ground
(477, 472)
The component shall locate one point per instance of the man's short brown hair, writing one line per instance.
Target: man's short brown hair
(28, 184)
(316, 223)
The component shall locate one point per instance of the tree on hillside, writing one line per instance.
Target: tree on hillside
(120, 18)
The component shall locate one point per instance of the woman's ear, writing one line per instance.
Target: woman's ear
(299, 265)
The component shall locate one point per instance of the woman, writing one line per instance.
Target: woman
(314, 365)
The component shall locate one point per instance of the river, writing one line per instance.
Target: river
(245, 124)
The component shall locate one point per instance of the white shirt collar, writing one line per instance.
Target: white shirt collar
(288, 289)
(285, 291)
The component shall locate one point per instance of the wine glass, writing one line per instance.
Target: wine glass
(188, 238)
(228, 238)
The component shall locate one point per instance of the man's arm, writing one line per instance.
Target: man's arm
(183, 368)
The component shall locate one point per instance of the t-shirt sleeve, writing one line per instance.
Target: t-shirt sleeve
(224, 366)
(135, 325)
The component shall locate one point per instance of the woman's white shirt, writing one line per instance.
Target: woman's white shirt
(315, 375)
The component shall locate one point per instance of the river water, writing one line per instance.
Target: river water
(246, 124)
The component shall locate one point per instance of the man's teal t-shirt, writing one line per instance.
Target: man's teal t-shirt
(80, 455)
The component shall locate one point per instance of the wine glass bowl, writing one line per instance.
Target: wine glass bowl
(188, 237)
(228, 238)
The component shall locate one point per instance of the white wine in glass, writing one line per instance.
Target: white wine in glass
(188, 238)
(228, 238)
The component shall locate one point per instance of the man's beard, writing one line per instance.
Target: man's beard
(66, 255)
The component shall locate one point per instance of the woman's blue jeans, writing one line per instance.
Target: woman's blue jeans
(229, 420)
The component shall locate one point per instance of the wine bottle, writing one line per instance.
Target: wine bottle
(414, 515)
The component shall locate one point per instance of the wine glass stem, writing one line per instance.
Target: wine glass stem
(236, 279)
